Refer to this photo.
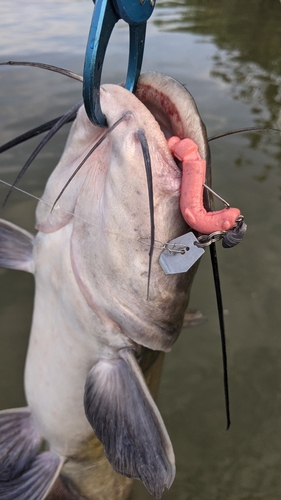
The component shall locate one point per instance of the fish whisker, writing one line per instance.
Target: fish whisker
(33, 133)
(48, 67)
(240, 130)
(56, 127)
(147, 163)
(102, 138)
(48, 125)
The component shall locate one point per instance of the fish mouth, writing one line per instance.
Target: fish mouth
(174, 109)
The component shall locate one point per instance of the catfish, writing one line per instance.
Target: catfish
(104, 311)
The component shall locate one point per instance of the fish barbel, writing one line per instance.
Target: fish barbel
(96, 338)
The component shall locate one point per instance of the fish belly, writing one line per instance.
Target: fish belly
(67, 338)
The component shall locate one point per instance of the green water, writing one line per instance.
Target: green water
(228, 55)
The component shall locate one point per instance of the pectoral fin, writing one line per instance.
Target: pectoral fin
(125, 418)
(19, 442)
(16, 247)
(36, 482)
(25, 474)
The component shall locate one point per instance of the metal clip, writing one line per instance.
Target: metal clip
(207, 239)
(230, 238)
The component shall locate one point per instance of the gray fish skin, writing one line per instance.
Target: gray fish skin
(90, 262)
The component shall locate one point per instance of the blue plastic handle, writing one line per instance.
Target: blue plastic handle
(106, 15)
(134, 11)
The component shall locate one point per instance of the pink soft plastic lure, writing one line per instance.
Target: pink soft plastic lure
(191, 198)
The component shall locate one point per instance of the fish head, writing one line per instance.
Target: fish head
(107, 205)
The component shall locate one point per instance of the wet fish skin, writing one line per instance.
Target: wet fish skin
(91, 311)
(104, 483)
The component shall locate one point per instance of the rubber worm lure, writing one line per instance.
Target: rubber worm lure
(191, 197)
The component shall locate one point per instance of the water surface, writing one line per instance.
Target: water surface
(228, 55)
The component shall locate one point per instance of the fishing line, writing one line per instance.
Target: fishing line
(147, 161)
(215, 268)
(22, 191)
(216, 277)
(57, 208)
(160, 245)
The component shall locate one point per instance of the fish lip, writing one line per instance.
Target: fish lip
(174, 108)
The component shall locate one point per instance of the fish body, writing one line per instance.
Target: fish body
(94, 327)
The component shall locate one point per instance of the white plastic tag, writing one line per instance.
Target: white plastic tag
(180, 254)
